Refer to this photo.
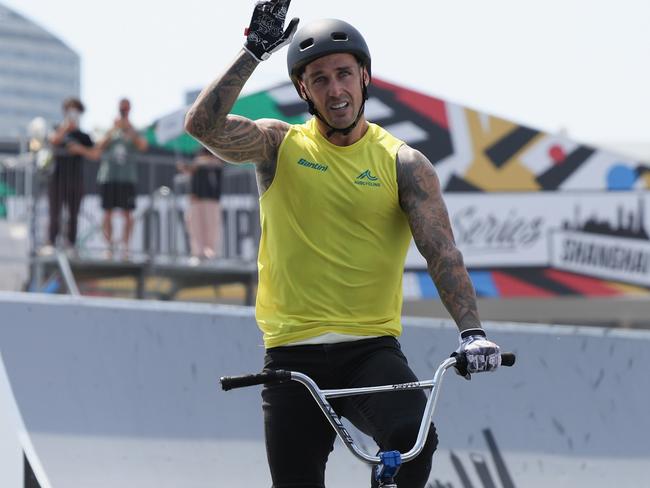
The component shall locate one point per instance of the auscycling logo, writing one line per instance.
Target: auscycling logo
(367, 179)
(309, 164)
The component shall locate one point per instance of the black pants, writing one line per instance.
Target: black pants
(299, 437)
(68, 191)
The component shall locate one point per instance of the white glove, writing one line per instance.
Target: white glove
(476, 354)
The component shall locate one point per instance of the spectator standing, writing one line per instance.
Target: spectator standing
(118, 174)
(203, 218)
(70, 145)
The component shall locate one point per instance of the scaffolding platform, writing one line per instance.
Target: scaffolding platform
(182, 272)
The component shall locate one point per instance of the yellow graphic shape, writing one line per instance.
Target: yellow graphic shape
(485, 131)
(630, 290)
(646, 179)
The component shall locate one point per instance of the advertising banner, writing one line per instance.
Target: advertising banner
(603, 235)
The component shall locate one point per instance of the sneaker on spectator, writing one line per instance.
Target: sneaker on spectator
(46, 250)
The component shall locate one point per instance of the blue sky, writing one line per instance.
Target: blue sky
(577, 65)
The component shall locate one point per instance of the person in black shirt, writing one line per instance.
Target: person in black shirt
(70, 145)
(203, 217)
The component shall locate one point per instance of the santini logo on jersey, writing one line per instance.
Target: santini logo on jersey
(367, 179)
(316, 166)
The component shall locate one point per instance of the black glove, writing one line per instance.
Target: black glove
(266, 33)
(476, 354)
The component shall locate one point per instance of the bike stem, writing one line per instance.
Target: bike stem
(386, 470)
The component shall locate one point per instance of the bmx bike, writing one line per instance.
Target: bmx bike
(386, 464)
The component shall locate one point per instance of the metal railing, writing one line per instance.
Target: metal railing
(161, 201)
(160, 232)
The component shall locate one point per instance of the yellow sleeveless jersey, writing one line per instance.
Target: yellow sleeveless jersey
(334, 239)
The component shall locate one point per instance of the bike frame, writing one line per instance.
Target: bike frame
(387, 463)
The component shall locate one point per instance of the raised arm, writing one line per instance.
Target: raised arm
(234, 138)
(131, 134)
(59, 134)
(421, 199)
(238, 139)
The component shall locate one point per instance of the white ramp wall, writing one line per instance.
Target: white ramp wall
(125, 393)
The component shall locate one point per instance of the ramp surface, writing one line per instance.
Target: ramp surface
(124, 393)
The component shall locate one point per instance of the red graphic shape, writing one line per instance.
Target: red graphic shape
(510, 286)
(583, 284)
(557, 153)
(432, 108)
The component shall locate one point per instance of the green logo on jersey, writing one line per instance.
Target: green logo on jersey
(367, 175)
(367, 179)
(309, 164)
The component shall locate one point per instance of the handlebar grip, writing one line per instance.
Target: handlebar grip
(508, 358)
(268, 376)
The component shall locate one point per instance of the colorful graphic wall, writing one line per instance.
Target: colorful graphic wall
(535, 214)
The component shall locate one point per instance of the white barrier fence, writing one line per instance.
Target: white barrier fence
(103, 393)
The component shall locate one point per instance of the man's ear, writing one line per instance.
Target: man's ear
(302, 91)
(366, 76)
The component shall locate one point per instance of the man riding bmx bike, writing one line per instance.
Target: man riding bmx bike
(340, 200)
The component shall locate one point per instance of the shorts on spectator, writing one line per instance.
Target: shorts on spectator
(117, 195)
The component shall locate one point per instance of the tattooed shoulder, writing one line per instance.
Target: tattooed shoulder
(274, 132)
(416, 178)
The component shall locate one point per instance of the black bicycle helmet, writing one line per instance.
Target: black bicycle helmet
(323, 37)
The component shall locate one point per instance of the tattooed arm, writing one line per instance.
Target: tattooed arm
(233, 138)
(421, 199)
